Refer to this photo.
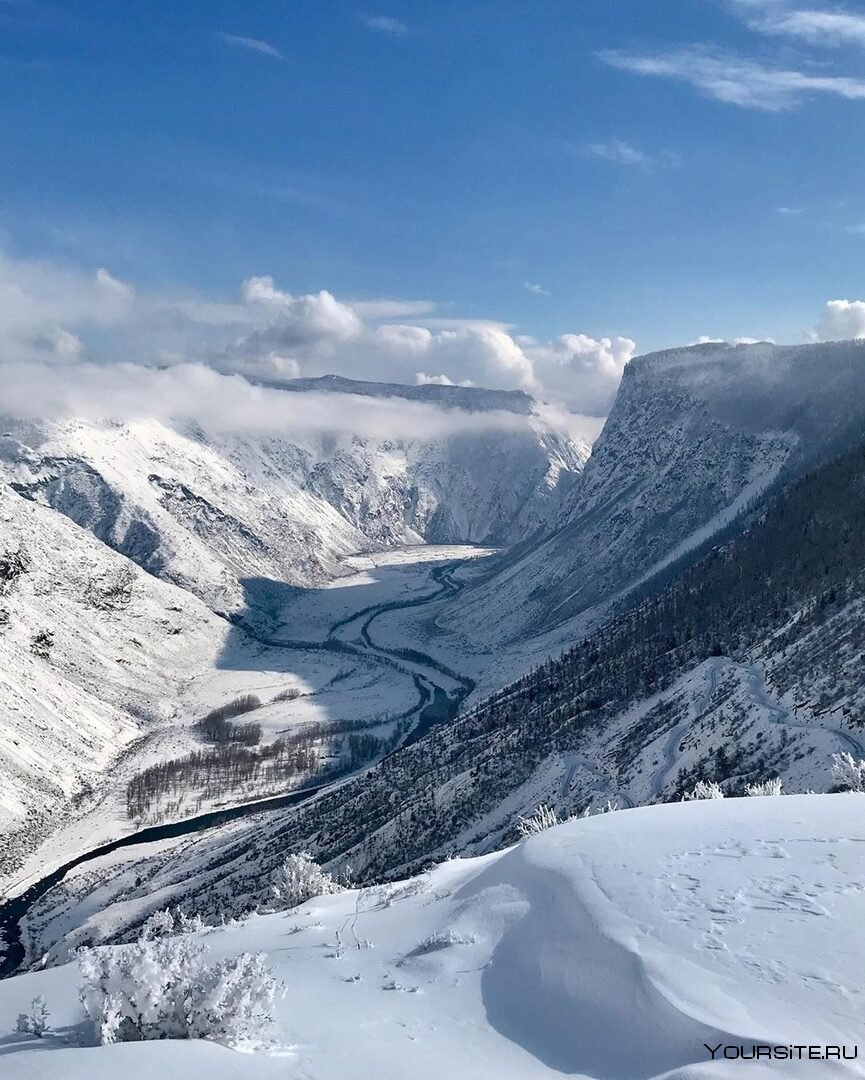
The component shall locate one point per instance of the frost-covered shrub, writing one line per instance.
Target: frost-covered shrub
(165, 923)
(291, 694)
(299, 879)
(12, 565)
(542, 819)
(848, 773)
(766, 787)
(158, 924)
(387, 895)
(704, 789)
(188, 924)
(42, 643)
(164, 989)
(35, 1020)
(545, 817)
(443, 940)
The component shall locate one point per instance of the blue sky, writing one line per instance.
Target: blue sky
(657, 171)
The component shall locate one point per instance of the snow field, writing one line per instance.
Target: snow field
(612, 947)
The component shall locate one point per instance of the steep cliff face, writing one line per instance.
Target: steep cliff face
(694, 437)
(205, 510)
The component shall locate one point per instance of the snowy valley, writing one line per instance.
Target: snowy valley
(219, 649)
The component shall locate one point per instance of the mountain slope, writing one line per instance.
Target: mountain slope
(695, 436)
(93, 656)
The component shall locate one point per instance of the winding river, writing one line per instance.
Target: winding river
(435, 704)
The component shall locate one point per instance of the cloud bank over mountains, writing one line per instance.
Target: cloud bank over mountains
(73, 342)
(57, 317)
(842, 319)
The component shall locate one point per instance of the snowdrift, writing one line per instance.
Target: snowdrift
(614, 947)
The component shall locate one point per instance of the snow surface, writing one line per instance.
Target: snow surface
(612, 947)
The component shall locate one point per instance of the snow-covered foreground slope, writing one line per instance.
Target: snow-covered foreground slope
(620, 947)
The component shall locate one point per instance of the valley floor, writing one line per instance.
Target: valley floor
(361, 683)
(613, 947)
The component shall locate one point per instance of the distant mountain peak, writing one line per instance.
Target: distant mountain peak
(469, 398)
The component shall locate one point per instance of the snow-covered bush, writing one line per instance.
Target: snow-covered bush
(848, 773)
(165, 923)
(299, 879)
(111, 591)
(387, 895)
(35, 1020)
(42, 643)
(443, 939)
(163, 988)
(766, 787)
(542, 819)
(545, 817)
(703, 789)
(158, 924)
(291, 694)
(12, 565)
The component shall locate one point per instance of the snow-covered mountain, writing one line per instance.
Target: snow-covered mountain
(94, 654)
(665, 941)
(205, 509)
(696, 436)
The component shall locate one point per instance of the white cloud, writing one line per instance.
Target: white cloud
(292, 321)
(465, 324)
(219, 402)
(385, 24)
(619, 151)
(255, 44)
(66, 317)
(113, 286)
(580, 370)
(789, 211)
(391, 309)
(737, 80)
(842, 320)
(422, 379)
(707, 339)
(815, 26)
(538, 290)
(42, 306)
